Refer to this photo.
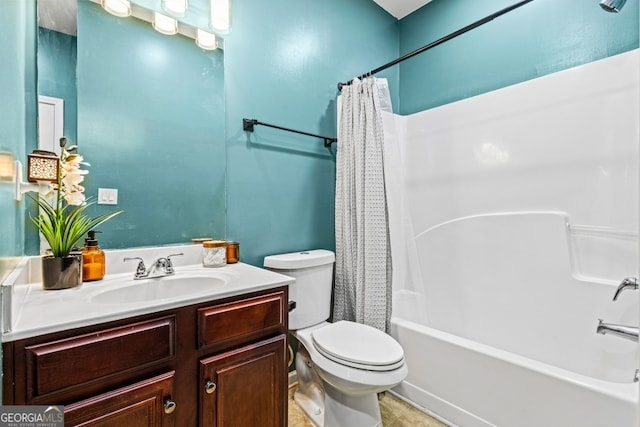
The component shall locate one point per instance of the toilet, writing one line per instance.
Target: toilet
(340, 366)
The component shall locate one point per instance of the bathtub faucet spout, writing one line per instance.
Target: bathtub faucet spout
(628, 332)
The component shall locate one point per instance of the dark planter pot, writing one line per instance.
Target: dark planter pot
(61, 272)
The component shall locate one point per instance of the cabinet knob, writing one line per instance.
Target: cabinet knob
(210, 387)
(169, 406)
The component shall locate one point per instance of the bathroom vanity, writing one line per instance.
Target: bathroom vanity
(208, 359)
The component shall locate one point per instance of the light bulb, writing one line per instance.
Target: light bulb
(175, 7)
(120, 8)
(206, 40)
(164, 24)
(220, 19)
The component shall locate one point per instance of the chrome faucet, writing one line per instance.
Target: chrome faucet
(160, 267)
(627, 283)
(628, 332)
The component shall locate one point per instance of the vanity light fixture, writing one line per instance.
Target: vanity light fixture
(206, 40)
(175, 7)
(43, 168)
(220, 16)
(169, 24)
(164, 24)
(119, 8)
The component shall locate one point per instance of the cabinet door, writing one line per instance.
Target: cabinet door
(143, 404)
(245, 387)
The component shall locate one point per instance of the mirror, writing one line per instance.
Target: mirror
(57, 56)
(147, 110)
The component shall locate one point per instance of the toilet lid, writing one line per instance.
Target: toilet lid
(359, 346)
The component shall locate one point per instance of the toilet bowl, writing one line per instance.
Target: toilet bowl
(340, 366)
(350, 391)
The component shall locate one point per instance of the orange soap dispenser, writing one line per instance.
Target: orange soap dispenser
(93, 265)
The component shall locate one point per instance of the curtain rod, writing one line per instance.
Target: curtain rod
(248, 124)
(441, 40)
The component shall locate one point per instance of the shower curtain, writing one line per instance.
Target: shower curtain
(363, 275)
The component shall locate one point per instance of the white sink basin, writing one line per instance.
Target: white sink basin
(158, 289)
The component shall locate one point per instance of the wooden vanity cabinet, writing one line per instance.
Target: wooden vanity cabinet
(221, 363)
(242, 387)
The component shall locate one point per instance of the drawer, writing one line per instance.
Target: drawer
(244, 320)
(59, 365)
(145, 403)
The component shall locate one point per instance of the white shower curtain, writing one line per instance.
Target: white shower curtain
(363, 250)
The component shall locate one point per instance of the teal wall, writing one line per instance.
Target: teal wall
(283, 60)
(539, 38)
(17, 114)
(151, 124)
(164, 147)
(57, 74)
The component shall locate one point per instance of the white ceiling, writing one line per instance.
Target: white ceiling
(401, 8)
(60, 15)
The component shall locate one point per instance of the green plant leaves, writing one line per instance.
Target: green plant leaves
(63, 227)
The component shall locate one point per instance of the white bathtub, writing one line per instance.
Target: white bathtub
(467, 383)
(503, 331)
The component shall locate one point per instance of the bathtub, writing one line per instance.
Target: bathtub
(501, 332)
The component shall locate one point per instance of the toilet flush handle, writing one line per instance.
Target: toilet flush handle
(292, 305)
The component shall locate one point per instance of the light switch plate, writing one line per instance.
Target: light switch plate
(107, 196)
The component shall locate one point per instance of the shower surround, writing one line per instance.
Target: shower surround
(521, 218)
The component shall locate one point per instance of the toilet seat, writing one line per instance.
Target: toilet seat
(358, 346)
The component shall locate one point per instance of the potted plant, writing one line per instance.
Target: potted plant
(64, 221)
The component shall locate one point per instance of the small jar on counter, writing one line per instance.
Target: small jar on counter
(214, 253)
(233, 252)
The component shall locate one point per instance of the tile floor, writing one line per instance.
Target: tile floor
(395, 413)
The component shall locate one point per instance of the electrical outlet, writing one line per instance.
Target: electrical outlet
(107, 196)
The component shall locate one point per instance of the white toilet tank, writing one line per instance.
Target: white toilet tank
(313, 271)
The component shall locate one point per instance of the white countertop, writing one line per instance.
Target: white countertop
(34, 311)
